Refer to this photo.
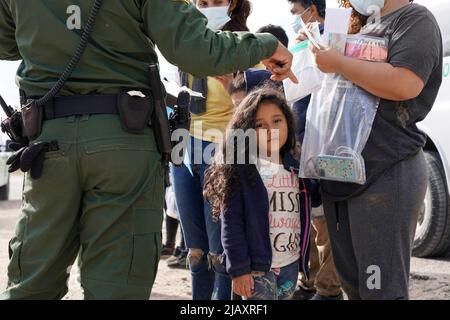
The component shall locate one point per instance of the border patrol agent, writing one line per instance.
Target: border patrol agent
(101, 189)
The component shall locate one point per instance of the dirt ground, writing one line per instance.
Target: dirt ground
(175, 284)
(430, 278)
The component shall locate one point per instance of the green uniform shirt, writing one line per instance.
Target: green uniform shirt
(122, 44)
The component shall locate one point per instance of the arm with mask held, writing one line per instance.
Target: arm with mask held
(412, 59)
(179, 30)
(8, 45)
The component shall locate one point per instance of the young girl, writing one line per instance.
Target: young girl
(264, 206)
(210, 118)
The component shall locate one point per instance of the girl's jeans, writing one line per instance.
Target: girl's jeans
(276, 284)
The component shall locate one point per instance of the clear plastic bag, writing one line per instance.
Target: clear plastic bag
(338, 125)
(306, 71)
(340, 118)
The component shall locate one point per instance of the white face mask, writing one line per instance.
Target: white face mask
(367, 7)
(217, 17)
(296, 21)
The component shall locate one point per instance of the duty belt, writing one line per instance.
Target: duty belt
(60, 107)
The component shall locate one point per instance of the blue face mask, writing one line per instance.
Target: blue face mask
(296, 23)
(367, 7)
(217, 16)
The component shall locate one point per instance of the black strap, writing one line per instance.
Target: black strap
(76, 105)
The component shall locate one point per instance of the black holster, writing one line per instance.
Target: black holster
(135, 112)
(32, 119)
(160, 120)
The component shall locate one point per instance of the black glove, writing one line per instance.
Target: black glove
(14, 160)
(31, 158)
(16, 146)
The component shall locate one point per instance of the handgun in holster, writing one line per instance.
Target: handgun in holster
(160, 121)
(180, 118)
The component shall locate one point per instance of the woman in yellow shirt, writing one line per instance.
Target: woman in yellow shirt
(209, 121)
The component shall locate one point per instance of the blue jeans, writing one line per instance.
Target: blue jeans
(201, 232)
(273, 286)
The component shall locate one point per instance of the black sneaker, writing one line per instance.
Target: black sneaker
(178, 251)
(178, 261)
(171, 260)
(167, 251)
(174, 257)
(317, 296)
(303, 294)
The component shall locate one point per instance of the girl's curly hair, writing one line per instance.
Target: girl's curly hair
(221, 178)
(357, 21)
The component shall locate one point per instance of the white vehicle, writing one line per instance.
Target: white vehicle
(4, 175)
(433, 229)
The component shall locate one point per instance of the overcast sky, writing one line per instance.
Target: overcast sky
(264, 12)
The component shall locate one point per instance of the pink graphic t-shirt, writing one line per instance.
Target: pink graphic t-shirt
(284, 216)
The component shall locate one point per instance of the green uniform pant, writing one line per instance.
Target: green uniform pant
(100, 195)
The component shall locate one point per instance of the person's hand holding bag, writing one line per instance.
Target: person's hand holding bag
(328, 59)
(302, 36)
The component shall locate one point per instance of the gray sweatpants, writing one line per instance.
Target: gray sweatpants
(372, 234)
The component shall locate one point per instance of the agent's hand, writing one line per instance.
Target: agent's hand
(328, 59)
(280, 64)
(244, 285)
